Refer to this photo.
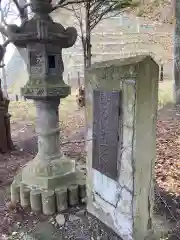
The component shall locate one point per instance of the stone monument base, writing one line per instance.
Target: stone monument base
(36, 188)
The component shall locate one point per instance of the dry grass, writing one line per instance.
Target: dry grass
(26, 111)
(165, 93)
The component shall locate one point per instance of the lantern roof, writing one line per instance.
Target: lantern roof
(42, 29)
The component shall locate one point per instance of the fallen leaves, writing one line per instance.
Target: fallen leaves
(167, 167)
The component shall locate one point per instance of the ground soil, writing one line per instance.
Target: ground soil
(167, 167)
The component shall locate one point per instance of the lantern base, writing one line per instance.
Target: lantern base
(49, 175)
(36, 188)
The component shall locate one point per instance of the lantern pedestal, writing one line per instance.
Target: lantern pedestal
(50, 168)
(50, 173)
(51, 181)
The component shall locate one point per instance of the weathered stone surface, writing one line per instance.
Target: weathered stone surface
(44, 40)
(126, 204)
(82, 188)
(73, 196)
(15, 193)
(50, 168)
(61, 199)
(60, 219)
(49, 175)
(48, 202)
(105, 135)
(35, 200)
(24, 196)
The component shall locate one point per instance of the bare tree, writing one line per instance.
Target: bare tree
(89, 13)
(6, 10)
(10, 11)
(17, 9)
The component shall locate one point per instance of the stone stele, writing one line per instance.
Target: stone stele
(50, 181)
(121, 99)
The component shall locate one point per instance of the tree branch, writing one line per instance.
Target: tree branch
(98, 6)
(99, 17)
(21, 10)
(65, 3)
(3, 30)
(96, 16)
(79, 19)
(17, 5)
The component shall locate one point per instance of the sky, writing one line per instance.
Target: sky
(12, 17)
(9, 52)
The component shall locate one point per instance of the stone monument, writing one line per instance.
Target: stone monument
(121, 106)
(50, 182)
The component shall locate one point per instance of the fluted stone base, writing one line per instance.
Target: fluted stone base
(49, 174)
(69, 190)
(50, 182)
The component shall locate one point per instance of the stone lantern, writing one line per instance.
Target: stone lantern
(50, 181)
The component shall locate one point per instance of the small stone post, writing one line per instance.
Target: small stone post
(69, 83)
(50, 172)
(79, 80)
(161, 73)
(121, 106)
(138, 25)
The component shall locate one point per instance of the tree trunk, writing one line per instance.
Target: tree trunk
(177, 53)
(23, 51)
(83, 40)
(86, 44)
(3, 70)
(88, 36)
(88, 50)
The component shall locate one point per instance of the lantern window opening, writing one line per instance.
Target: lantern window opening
(51, 62)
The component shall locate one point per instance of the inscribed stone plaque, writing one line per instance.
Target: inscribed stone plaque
(106, 111)
(36, 63)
